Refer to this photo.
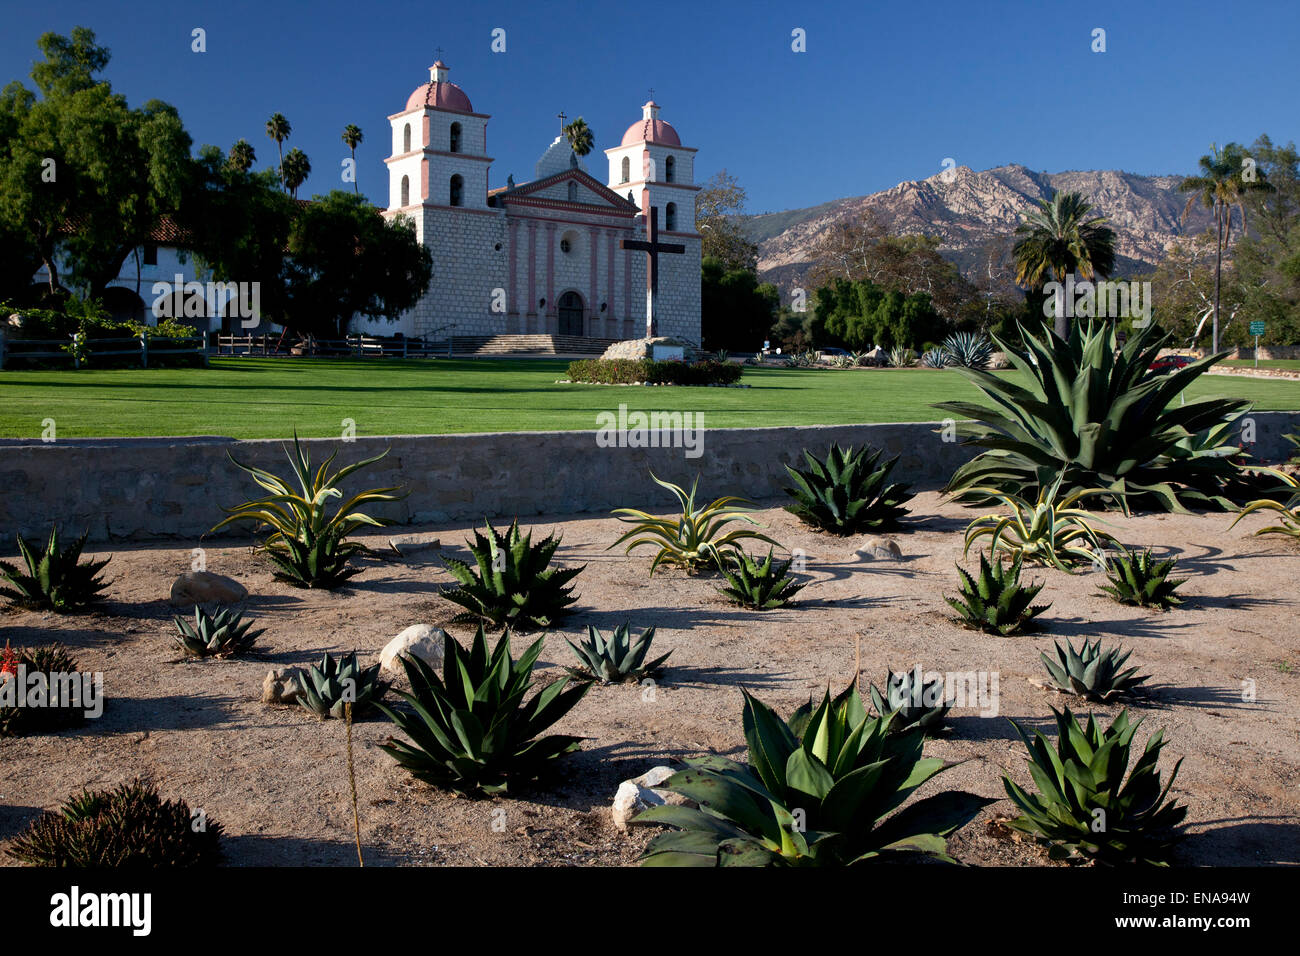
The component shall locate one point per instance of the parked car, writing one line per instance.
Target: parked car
(1169, 363)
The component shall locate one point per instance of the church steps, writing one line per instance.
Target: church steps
(474, 345)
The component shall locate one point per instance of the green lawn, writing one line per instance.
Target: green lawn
(1264, 363)
(267, 398)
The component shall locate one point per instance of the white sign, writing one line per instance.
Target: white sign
(667, 353)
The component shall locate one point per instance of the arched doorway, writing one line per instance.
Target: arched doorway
(570, 310)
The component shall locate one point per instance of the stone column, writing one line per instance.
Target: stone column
(552, 319)
(512, 291)
(531, 311)
(593, 303)
(611, 237)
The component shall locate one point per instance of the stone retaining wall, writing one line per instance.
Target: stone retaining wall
(146, 488)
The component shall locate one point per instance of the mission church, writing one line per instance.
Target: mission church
(545, 256)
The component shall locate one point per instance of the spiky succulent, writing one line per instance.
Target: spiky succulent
(934, 358)
(968, 350)
(821, 790)
(996, 602)
(696, 538)
(55, 581)
(1048, 531)
(308, 545)
(222, 633)
(913, 700)
(327, 688)
(470, 730)
(514, 583)
(1085, 809)
(1140, 579)
(848, 492)
(129, 827)
(1087, 408)
(61, 706)
(617, 658)
(1288, 512)
(759, 584)
(900, 357)
(1092, 671)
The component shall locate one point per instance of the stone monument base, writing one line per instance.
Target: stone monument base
(659, 347)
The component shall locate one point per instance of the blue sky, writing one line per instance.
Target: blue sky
(885, 91)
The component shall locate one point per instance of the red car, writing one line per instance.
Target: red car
(1170, 363)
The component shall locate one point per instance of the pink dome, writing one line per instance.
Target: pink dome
(439, 95)
(651, 129)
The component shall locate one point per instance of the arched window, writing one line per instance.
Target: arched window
(455, 137)
(573, 191)
(670, 216)
(627, 169)
(457, 190)
(669, 163)
(406, 191)
(406, 139)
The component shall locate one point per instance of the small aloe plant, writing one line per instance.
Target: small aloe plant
(617, 658)
(221, 634)
(996, 602)
(912, 700)
(56, 580)
(1092, 671)
(759, 584)
(326, 689)
(1139, 579)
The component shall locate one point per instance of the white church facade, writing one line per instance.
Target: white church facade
(544, 256)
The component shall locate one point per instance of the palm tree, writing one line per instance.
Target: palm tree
(296, 170)
(1221, 186)
(241, 157)
(352, 137)
(579, 136)
(1057, 240)
(277, 127)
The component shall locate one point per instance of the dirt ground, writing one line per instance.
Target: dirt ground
(276, 778)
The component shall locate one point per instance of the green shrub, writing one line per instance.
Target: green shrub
(996, 602)
(761, 585)
(627, 371)
(847, 493)
(327, 688)
(223, 633)
(52, 660)
(130, 827)
(821, 790)
(308, 546)
(513, 583)
(1084, 808)
(470, 730)
(55, 581)
(617, 658)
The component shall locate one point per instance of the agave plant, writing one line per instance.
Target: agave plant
(1087, 409)
(471, 731)
(1084, 808)
(130, 827)
(848, 492)
(694, 540)
(326, 689)
(912, 700)
(759, 584)
(842, 361)
(996, 602)
(1091, 671)
(62, 708)
(1288, 512)
(514, 584)
(1048, 532)
(934, 358)
(860, 359)
(721, 355)
(308, 545)
(617, 658)
(221, 634)
(1139, 579)
(901, 357)
(821, 790)
(968, 350)
(55, 581)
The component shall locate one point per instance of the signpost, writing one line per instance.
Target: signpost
(1257, 329)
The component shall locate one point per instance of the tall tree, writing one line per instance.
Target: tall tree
(295, 169)
(579, 136)
(242, 156)
(1060, 239)
(352, 137)
(719, 208)
(278, 128)
(1226, 176)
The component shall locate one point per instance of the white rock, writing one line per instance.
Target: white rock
(641, 793)
(422, 641)
(876, 546)
(410, 544)
(280, 686)
(200, 587)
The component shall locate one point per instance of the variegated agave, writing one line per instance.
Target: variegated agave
(1288, 512)
(1048, 532)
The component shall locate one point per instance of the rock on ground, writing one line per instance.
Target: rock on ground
(280, 686)
(643, 792)
(408, 545)
(423, 641)
(200, 587)
(878, 546)
(642, 348)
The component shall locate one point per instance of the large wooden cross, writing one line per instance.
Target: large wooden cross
(652, 250)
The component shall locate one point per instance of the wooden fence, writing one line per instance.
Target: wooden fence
(359, 346)
(78, 349)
